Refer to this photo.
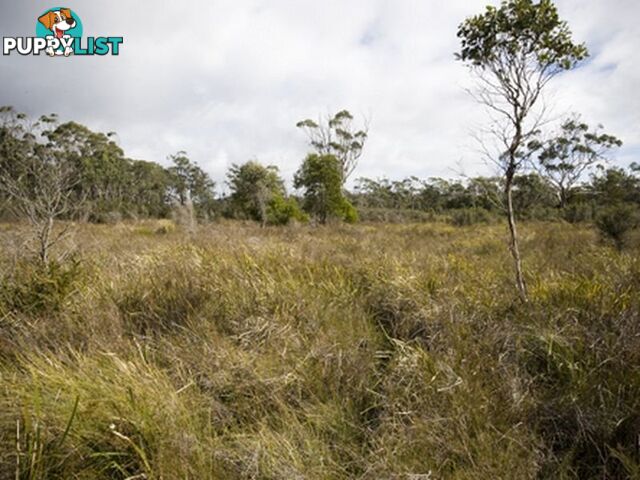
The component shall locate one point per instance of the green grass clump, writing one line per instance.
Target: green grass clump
(371, 352)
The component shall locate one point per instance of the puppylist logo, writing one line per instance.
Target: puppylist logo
(59, 34)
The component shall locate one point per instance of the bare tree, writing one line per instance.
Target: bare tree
(337, 136)
(515, 50)
(38, 185)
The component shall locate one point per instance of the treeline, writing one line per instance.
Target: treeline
(94, 171)
(51, 170)
(482, 198)
(102, 184)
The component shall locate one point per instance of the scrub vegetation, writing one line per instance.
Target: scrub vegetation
(356, 351)
(151, 328)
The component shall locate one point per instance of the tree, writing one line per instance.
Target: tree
(104, 174)
(321, 178)
(38, 182)
(150, 188)
(569, 154)
(531, 193)
(615, 186)
(515, 50)
(191, 186)
(338, 137)
(485, 192)
(254, 189)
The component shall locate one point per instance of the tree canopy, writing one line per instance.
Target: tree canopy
(321, 179)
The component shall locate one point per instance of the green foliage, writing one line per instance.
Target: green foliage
(192, 185)
(258, 193)
(614, 186)
(578, 212)
(36, 289)
(616, 220)
(253, 188)
(470, 216)
(566, 157)
(519, 28)
(532, 193)
(336, 136)
(282, 210)
(104, 181)
(515, 50)
(393, 215)
(321, 180)
(348, 212)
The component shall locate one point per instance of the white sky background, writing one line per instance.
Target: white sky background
(227, 80)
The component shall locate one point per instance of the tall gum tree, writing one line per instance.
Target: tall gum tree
(514, 50)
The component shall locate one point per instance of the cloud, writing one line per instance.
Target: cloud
(227, 81)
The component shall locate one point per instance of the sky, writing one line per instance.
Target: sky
(227, 80)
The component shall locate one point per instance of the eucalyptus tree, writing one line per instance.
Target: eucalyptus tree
(336, 135)
(192, 187)
(323, 198)
(253, 189)
(570, 153)
(514, 50)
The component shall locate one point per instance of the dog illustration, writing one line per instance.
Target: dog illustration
(58, 21)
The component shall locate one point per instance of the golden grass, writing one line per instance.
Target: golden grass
(368, 351)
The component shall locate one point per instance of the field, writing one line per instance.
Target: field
(366, 351)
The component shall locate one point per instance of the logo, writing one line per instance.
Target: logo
(59, 34)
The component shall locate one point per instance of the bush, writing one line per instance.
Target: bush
(348, 212)
(282, 210)
(395, 215)
(112, 217)
(36, 289)
(470, 216)
(615, 221)
(578, 213)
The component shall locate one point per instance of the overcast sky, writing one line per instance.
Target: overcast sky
(227, 80)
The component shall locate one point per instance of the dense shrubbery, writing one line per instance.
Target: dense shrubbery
(367, 352)
(470, 216)
(534, 198)
(615, 221)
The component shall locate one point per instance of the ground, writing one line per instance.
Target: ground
(365, 351)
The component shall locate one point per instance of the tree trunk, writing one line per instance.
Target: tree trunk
(45, 234)
(513, 243)
(563, 197)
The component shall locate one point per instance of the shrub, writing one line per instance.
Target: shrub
(615, 221)
(283, 210)
(393, 215)
(470, 216)
(35, 288)
(348, 212)
(578, 213)
(112, 217)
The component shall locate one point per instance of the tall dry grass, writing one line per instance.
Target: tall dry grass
(370, 352)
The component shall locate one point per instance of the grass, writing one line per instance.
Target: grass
(369, 352)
